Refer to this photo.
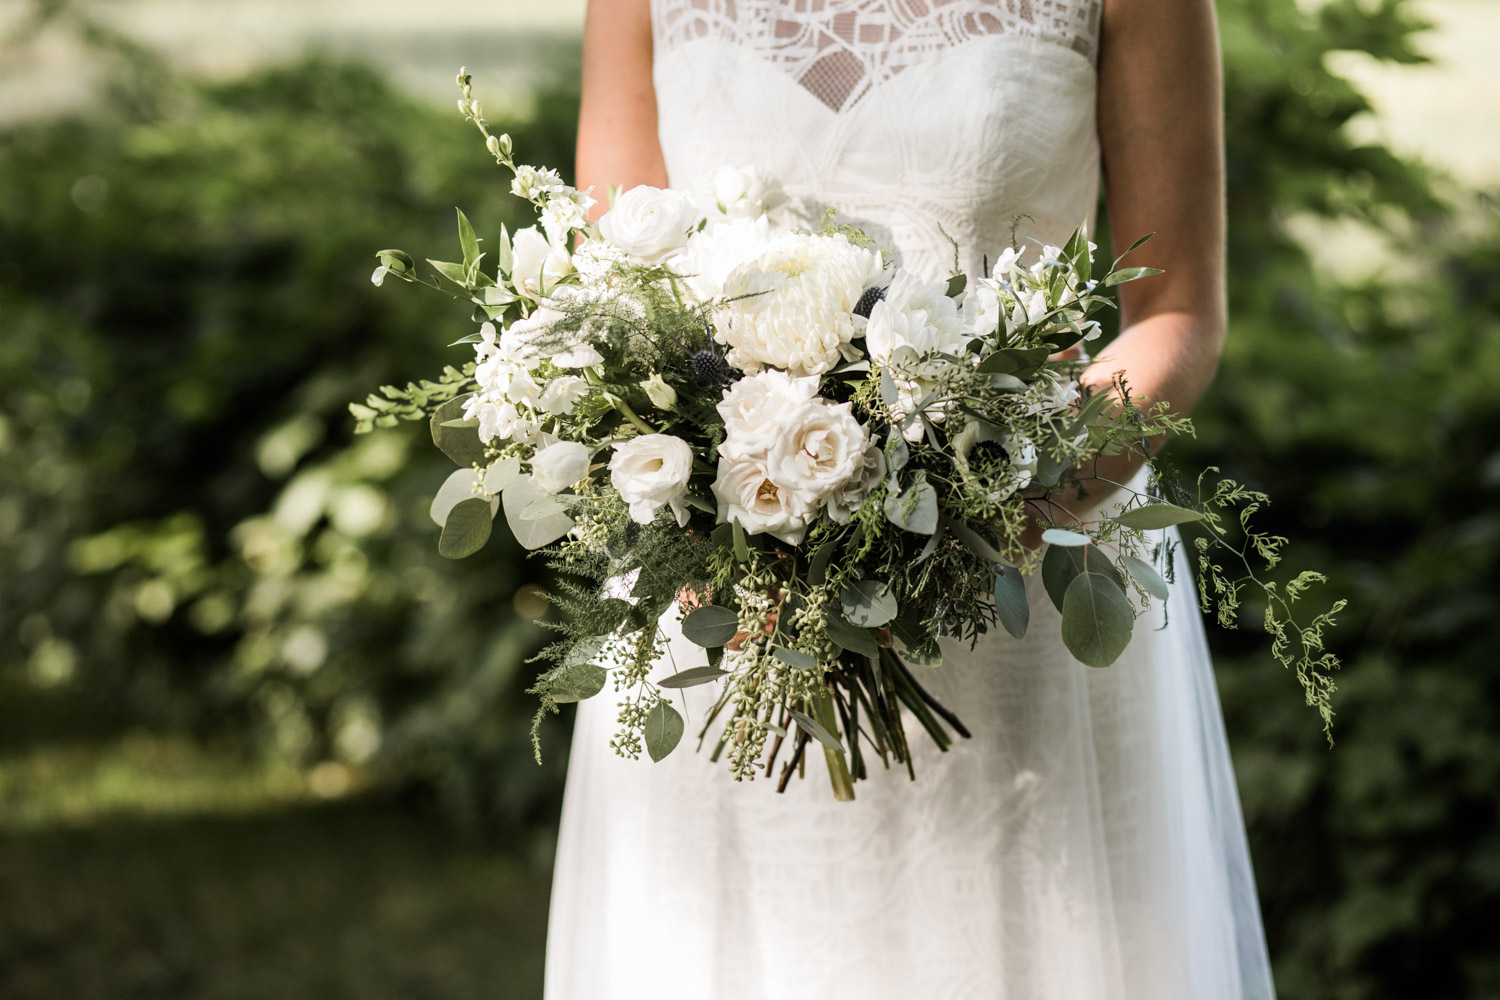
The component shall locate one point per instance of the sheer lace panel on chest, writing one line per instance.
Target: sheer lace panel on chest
(840, 50)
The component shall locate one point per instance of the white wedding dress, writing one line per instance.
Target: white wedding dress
(1086, 843)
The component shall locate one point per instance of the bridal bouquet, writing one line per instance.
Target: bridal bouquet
(829, 462)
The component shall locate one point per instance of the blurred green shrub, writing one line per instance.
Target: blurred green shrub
(187, 527)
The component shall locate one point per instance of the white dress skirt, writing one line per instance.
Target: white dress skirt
(1086, 843)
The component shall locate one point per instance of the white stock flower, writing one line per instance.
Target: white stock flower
(651, 471)
(746, 192)
(562, 394)
(531, 182)
(820, 450)
(559, 465)
(1020, 453)
(792, 306)
(746, 494)
(712, 253)
(537, 263)
(844, 501)
(914, 320)
(754, 409)
(649, 223)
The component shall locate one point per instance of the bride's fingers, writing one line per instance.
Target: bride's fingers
(741, 637)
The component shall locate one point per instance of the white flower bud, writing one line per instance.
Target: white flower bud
(505, 142)
(463, 106)
(662, 396)
(475, 110)
(378, 278)
(493, 145)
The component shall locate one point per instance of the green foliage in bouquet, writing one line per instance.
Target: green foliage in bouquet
(819, 557)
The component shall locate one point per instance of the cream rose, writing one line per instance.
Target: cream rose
(650, 472)
(560, 465)
(754, 409)
(747, 495)
(820, 450)
(649, 223)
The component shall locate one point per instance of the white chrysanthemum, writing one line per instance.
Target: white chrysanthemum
(792, 307)
(754, 410)
(720, 247)
(916, 319)
(746, 494)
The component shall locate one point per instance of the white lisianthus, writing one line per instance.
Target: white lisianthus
(844, 501)
(754, 409)
(650, 472)
(792, 306)
(746, 494)
(712, 253)
(649, 223)
(562, 394)
(914, 320)
(821, 449)
(560, 465)
(746, 192)
(537, 263)
(1020, 452)
(662, 396)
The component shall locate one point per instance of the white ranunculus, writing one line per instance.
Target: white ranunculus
(649, 223)
(1015, 474)
(721, 246)
(792, 307)
(560, 465)
(822, 448)
(754, 410)
(844, 501)
(562, 394)
(651, 471)
(747, 495)
(914, 320)
(537, 264)
(746, 192)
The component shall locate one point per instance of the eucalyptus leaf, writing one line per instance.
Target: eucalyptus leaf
(815, 730)
(868, 603)
(1096, 619)
(888, 394)
(501, 474)
(915, 510)
(1146, 575)
(663, 730)
(975, 542)
(466, 528)
(914, 645)
(846, 636)
(1063, 562)
(795, 658)
(531, 533)
(577, 682)
(459, 486)
(1156, 515)
(543, 507)
(1062, 536)
(1003, 382)
(461, 444)
(1011, 604)
(710, 625)
(692, 677)
(897, 454)
(818, 569)
(956, 285)
(741, 543)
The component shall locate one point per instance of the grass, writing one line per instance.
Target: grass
(147, 866)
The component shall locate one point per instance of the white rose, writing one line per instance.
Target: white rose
(822, 448)
(537, 264)
(747, 495)
(562, 394)
(651, 471)
(1021, 453)
(844, 501)
(746, 192)
(560, 465)
(792, 307)
(649, 223)
(915, 319)
(712, 253)
(754, 409)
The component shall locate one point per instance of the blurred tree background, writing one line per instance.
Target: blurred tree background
(256, 739)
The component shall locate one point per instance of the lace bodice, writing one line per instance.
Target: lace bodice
(915, 118)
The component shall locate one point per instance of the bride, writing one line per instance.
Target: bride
(1086, 843)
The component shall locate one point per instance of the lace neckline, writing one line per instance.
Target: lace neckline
(841, 50)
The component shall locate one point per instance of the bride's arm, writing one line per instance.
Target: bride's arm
(1161, 134)
(617, 141)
